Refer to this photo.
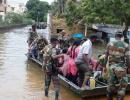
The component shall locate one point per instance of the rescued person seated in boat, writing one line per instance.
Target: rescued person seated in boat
(68, 67)
(73, 50)
(90, 83)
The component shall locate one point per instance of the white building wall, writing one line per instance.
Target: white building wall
(17, 8)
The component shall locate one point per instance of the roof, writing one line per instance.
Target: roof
(111, 29)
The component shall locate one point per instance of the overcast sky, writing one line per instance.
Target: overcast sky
(24, 1)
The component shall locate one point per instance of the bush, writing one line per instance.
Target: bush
(28, 21)
(15, 18)
(1, 18)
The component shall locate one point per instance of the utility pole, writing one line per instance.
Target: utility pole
(38, 17)
(86, 29)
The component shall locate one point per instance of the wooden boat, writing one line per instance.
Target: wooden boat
(99, 90)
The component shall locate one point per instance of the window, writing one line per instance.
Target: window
(59, 30)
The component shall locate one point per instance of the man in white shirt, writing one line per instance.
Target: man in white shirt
(83, 61)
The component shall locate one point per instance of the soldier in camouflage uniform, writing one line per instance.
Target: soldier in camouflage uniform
(51, 71)
(41, 43)
(32, 35)
(118, 55)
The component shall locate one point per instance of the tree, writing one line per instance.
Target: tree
(14, 18)
(54, 8)
(121, 10)
(72, 12)
(61, 5)
(37, 10)
(98, 11)
(58, 7)
(107, 11)
(69, 9)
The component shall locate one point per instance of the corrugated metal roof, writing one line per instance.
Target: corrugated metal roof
(107, 28)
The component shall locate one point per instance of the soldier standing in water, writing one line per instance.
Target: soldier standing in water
(51, 70)
(118, 57)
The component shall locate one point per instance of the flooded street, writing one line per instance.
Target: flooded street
(19, 79)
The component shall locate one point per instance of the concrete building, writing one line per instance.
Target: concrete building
(17, 8)
(3, 8)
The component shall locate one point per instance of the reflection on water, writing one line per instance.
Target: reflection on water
(21, 79)
(17, 81)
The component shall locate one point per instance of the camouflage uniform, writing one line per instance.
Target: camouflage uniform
(41, 43)
(31, 37)
(117, 52)
(51, 71)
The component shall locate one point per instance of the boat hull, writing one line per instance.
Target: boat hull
(99, 90)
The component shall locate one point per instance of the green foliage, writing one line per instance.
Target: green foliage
(96, 11)
(70, 12)
(73, 12)
(13, 18)
(55, 8)
(28, 21)
(58, 7)
(37, 9)
(107, 11)
(1, 18)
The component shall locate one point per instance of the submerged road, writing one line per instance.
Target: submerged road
(19, 78)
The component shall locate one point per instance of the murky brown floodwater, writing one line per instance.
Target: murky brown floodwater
(19, 79)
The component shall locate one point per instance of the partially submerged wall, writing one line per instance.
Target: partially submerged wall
(7, 28)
